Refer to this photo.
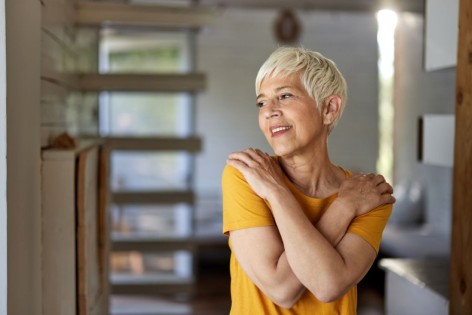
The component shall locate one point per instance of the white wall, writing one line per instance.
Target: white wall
(3, 167)
(23, 26)
(418, 92)
(65, 50)
(231, 52)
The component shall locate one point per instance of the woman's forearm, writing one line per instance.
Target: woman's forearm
(332, 225)
(311, 255)
(335, 221)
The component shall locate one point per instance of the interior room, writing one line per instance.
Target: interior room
(118, 117)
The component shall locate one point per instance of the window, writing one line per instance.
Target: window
(142, 115)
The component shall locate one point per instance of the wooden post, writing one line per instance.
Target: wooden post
(461, 255)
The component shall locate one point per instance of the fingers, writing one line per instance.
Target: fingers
(238, 164)
(376, 179)
(250, 157)
(385, 188)
(257, 155)
(386, 191)
(364, 177)
(378, 184)
(388, 198)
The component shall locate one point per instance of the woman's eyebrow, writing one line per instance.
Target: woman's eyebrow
(282, 87)
(276, 90)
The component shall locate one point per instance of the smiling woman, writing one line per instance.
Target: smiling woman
(303, 231)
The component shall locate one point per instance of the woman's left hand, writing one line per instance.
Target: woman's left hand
(261, 171)
(365, 192)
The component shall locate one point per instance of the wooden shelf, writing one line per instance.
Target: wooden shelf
(192, 82)
(101, 14)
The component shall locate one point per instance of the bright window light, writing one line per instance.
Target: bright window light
(387, 22)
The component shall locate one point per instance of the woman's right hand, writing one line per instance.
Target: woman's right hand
(262, 172)
(365, 192)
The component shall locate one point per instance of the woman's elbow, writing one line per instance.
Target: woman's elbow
(285, 298)
(285, 304)
(330, 293)
(327, 297)
(285, 301)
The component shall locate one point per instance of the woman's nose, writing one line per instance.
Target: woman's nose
(272, 111)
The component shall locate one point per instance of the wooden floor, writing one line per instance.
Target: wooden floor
(213, 295)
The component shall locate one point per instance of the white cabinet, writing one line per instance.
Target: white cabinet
(436, 139)
(416, 287)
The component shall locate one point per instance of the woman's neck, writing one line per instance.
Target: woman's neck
(314, 175)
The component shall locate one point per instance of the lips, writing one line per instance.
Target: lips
(278, 130)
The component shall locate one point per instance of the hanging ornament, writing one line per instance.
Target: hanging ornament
(287, 27)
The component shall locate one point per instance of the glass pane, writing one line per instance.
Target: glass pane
(148, 171)
(151, 221)
(145, 114)
(128, 264)
(144, 52)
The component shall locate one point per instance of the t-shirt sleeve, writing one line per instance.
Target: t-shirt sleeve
(242, 207)
(370, 226)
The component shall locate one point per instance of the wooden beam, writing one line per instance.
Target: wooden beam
(461, 254)
(142, 82)
(190, 144)
(416, 6)
(101, 14)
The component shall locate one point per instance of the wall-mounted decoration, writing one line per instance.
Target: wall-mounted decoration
(287, 27)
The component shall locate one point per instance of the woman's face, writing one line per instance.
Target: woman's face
(289, 117)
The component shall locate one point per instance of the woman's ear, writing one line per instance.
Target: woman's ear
(331, 109)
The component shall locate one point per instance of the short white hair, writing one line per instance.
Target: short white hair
(319, 75)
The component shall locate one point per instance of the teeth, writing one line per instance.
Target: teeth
(280, 129)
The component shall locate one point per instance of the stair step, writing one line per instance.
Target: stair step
(153, 197)
(189, 144)
(139, 243)
(142, 82)
(99, 14)
(150, 284)
(144, 305)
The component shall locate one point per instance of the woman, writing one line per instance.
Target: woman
(303, 231)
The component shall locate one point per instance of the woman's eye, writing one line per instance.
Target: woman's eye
(259, 104)
(285, 96)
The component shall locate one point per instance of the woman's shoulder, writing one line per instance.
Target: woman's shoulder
(229, 170)
(232, 177)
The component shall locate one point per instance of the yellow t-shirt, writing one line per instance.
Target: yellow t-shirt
(242, 209)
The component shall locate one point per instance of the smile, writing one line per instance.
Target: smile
(280, 129)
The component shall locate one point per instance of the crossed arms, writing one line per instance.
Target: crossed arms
(285, 260)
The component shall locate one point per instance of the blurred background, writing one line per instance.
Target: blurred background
(167, 87)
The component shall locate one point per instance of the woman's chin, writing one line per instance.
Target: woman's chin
(281, 152)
